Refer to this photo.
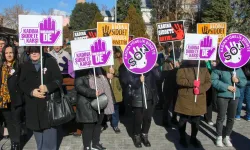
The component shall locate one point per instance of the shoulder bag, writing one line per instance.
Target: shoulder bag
(103, 102)
(60, 110)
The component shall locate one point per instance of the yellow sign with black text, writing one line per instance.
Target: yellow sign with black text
(213, 28)
(118, 31)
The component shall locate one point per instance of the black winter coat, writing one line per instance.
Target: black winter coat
(84, 112)
(30, 79)
(246, 70)
(136, 88)
(16, 95)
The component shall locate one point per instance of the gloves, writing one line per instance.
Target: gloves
(196, 91)
(197, 83)
(196, 87)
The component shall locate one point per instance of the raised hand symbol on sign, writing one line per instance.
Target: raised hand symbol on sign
(179, 31)
(100, 54)
(91, 34)
(106, 31)
(233, 53)
(206, 47)
(138, 58)
(48, 33)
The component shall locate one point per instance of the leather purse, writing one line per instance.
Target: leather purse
(59, 110)
(103, 102)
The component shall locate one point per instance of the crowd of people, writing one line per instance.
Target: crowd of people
(171, 86)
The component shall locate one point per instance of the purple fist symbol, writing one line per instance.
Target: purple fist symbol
(100, 54)
(206, 47)
(48, 33)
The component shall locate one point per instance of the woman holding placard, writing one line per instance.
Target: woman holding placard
(86, 113)
(186, 106)
(223, 79)
(142, 116)
(37, 95)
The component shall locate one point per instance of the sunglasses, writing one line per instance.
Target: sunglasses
(34, 52)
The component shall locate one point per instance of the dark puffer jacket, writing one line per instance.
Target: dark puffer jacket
(84, 112)
(136, 88)
(246, 70)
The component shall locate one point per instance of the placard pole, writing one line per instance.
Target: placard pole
(197, 77)
(98, 105)
(115, 11)
(234, 74)
(41, 59)
(174, 54)
(144, 94)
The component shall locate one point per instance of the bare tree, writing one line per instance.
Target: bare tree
(10, 15)
(104, 7)
(49, 12)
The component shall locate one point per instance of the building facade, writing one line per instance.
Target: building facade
(146, 8)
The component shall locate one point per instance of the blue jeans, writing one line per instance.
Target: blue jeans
(46, 139)
(244, 94)
(115, 116)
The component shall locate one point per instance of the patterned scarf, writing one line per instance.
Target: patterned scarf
(4, 91)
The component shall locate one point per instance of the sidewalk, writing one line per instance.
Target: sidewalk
(160, 138)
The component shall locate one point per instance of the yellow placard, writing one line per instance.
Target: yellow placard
(118, 31)
(213, 28)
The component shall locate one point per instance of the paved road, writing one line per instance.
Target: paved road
(161, 138)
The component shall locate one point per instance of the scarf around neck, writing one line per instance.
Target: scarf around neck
(37, 64)
(4, 91)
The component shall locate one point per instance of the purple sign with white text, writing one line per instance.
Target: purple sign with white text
(40, 30)
(140, 55)
(234, 50)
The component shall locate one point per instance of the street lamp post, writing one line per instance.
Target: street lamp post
(115, 11)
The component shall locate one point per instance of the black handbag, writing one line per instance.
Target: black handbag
(60, 110)
(103, 102)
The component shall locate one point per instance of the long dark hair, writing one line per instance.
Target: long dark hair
(14, 50)
(4, 39)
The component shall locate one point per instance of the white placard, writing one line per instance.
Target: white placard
(38, 30)
(89, 53)
(200, 47)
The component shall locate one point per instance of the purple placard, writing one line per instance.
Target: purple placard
(234, 50)
(140, 55)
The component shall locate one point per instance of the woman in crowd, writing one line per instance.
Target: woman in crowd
(186, 106)
(11, 96)
(113, 75)
(170, 91)
(37, 95)
(3, 42)
(142, 116)
(244, 94)
(223, 79)
(86, 92)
